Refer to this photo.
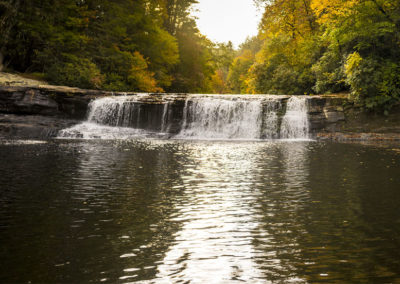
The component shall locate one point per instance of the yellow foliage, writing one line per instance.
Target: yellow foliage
(293, 18)
(239, 71)
(218, 83)
(249, 84)
(140, 76)
(352, 62)
(333, 10)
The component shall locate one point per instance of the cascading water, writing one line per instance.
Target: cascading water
(113, 111)
(210, 118)
(109, 118)
(295, 122)
(221, 117)
(165, 116)
(270, 126)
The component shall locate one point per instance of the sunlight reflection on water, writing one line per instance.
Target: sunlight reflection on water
(153, 211)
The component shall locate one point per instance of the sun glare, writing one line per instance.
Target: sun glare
(228, 20)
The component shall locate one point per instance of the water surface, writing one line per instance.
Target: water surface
(198, 212)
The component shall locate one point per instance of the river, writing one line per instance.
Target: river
(177, 211)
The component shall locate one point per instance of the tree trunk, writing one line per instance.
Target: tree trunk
(1, 61)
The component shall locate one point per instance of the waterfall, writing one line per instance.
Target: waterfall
(112, 111)
(295, 123)
(270, 126)
(119, 117)
(165, 117)
(215, 117)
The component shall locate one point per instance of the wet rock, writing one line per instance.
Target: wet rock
(325, 112)
(341, 136)
(316, 105)
(333, 115)
(33, 102)
(32, 126)
(44, 101)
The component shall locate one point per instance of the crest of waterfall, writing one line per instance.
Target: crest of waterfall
(220, 117)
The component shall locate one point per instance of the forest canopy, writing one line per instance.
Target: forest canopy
(303, 47)
(137, 45)
(325, 46)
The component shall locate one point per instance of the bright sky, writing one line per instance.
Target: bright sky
(228, 20)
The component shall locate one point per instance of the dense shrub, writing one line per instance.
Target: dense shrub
(329, 73)
(75, 72)
(374, 82)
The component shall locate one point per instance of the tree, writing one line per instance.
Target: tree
(93, 43)
(223, 55)
(239, 70)
(366, 35)
(194, 71)
(177, 14)
(289, 48)
(330, 46)
(8, 12)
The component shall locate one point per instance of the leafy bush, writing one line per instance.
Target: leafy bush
(277, 76)
(239, 70)
(375, 83)
(77, 72)
(126, 71)
(329, 73)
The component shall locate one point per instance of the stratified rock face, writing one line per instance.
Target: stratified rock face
(39, 112)
(27, 102)
(63, 101)
(32, 126)
(333, 115)
(326, 112)
(35, 101)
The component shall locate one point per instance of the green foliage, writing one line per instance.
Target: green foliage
(193, 73)
(122, 45)
(325, 46)
(223, 56)
(329, 73)
(238, 72)
(279, 77)
(303, 47)
(128, 71)
(283, 67)
(374, 83)
(77, 72)
(218, 83)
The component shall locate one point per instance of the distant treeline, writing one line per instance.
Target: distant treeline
(303, 47)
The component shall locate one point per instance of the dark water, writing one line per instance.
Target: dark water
(199, 212)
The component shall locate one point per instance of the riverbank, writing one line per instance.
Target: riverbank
(8, 79)
(31, 110)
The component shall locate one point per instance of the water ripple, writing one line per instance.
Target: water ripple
(177, 212)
